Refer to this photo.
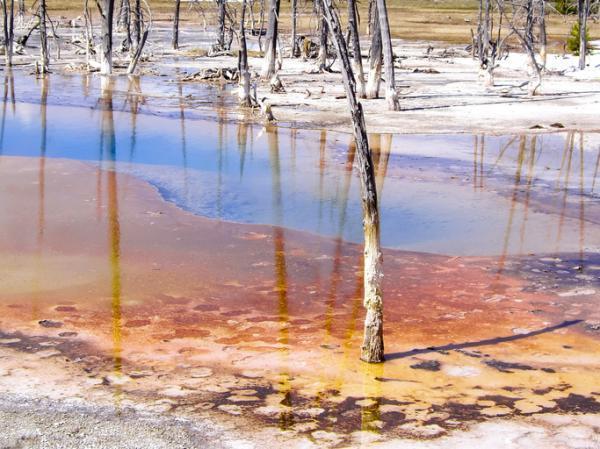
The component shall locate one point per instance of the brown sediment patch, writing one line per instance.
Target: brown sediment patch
(171, 293)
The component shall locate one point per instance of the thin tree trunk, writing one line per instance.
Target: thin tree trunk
(375, 56)
(269, 69)
(107, 12)
(261, 24)
(543, 35)
(44, 57)
(137, 23)
(138, 53)
(372, 350)
(322, 55)
(125, 18)
(388, 57)
(221, 26)
(582, 7)
(357, 55)
(9, 27)
(244, 92)
(294, 53)
(175, 41)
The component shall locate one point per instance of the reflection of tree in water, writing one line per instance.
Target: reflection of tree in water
(281, 278)
(41, 221)
(9, 90)
(184, 160)
(108, 147)
(529, 152)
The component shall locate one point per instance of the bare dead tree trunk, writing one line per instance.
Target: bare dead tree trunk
(375, 56)
(175, 41)
(44, 57)
(269, 69)
(125, 19)
(137, 24)
(521, 22)
(322, 55)
(583, 12)
(294, 38)
(483, 40)
(244, 83)
(21, 11)
(106, 8)
(388, 57)
(8, 15)
(357, 56)
(372, 349)
(543, 35)
(261, 23)
(221, 26)
(138, 53)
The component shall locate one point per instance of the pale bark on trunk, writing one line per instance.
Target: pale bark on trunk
(261, 23)
(372, 349)
(8, 15)
(583, 9)
(137, 23)
(138, 53)
(244, 82)
(125, 17)
(221, 26)
(294, 45)
(375, 56)
(357, 55)
(175, 41)
(44, 57)
(269, 69)
(388, 57)
(322, 55)
(543, 35)
(107, 12)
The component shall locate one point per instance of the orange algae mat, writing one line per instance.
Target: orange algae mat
(141, 302)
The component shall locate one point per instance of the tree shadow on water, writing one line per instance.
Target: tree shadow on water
(487, 342)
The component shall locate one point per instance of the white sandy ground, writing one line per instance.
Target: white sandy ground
(51, 424)
(452, 100)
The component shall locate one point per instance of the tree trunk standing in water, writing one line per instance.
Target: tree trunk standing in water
(268, 69)
(106, 8)
(375, 56)
(244, 92)
(175, 41)
(372, 350)
(583, 10)
(388, 57)
(294, 45)
(357, 56)
(8, 15)
(44, 58)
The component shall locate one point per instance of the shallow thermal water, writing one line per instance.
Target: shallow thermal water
(447, 194)
(217, 303)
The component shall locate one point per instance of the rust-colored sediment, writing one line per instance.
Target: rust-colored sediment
(140, 301)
